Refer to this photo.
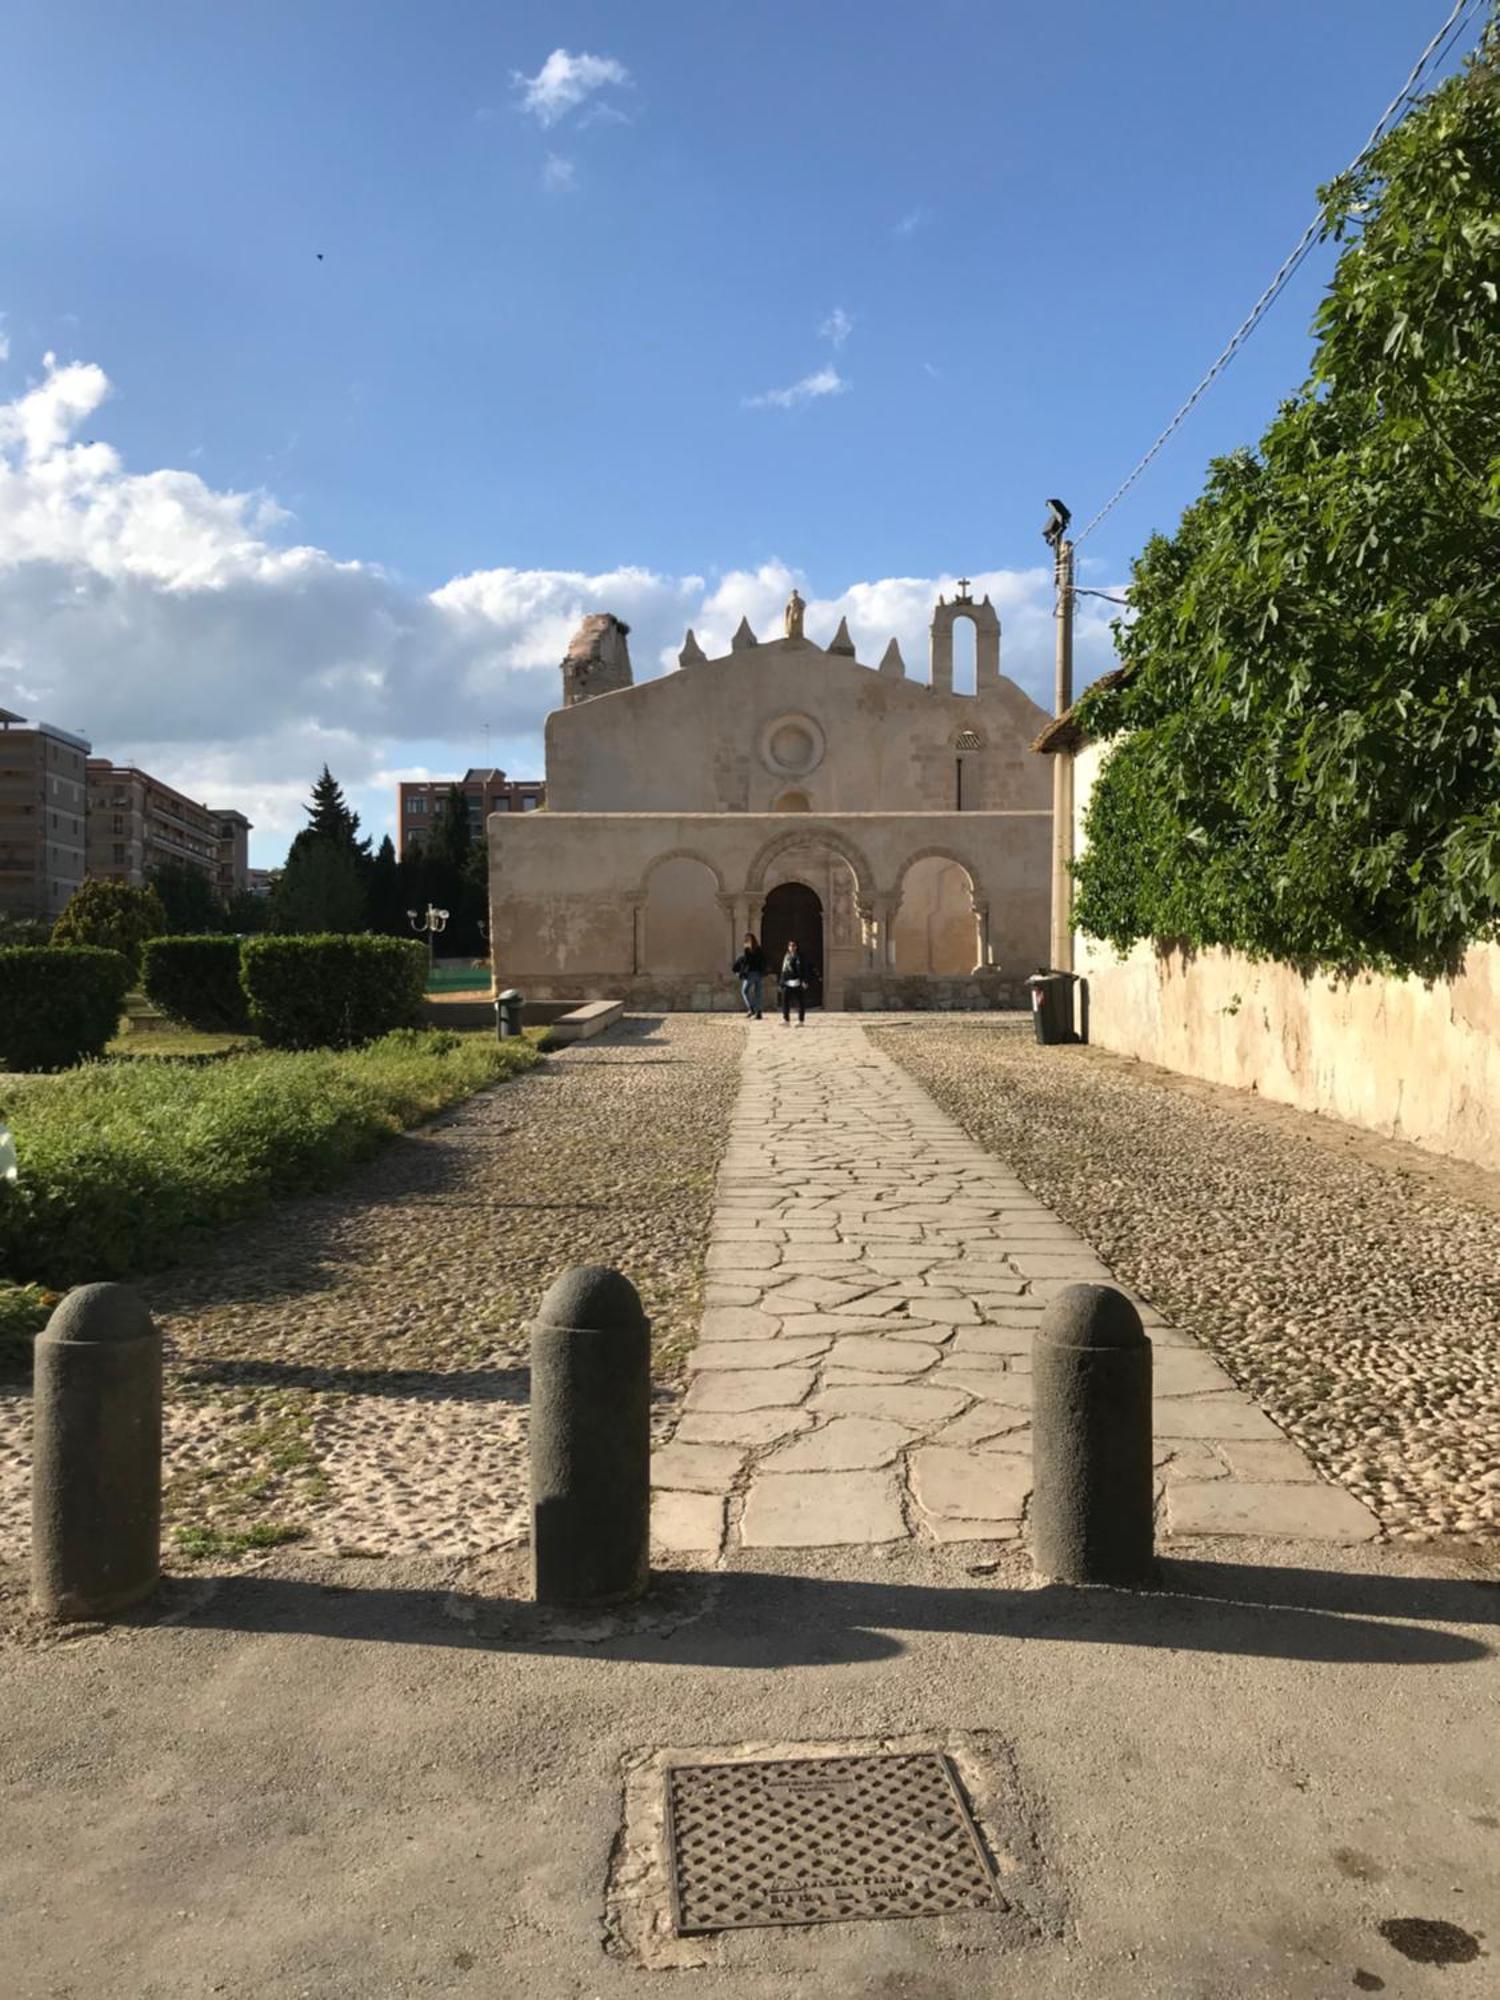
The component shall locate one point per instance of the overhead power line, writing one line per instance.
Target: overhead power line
(1399, 105)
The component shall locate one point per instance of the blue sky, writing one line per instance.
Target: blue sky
(374, 363)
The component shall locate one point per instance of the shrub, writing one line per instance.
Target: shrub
(118, 1162)
(332, 992)
(113, 916)
(196, 980)
(24, 1311)
(58, 1006)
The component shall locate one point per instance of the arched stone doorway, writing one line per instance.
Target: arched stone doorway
(793, 910)
(934, 929)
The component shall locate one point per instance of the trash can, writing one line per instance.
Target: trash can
(508, 1013)
(1052, 1006)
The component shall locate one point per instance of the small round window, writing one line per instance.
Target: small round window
(792, 746)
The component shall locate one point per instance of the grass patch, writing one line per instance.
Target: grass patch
(196, 1541)
(118, 1162)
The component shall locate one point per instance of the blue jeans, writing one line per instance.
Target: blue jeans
(752, 986)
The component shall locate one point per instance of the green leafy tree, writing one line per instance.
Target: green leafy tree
(321, 888)
(1311, 713)
(190, 900)
(388, 896)
(450, 875)
(114, 916)
(451, 840)
(246, 914)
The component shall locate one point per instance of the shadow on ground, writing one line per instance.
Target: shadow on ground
(476, 1385)
(759, 1620)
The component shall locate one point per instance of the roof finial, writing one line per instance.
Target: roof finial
(743, 637)
(692, 654)
(841, 642)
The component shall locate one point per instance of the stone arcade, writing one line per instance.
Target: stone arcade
(898, 830)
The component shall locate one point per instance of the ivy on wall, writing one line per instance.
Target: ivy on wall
(1309, 756)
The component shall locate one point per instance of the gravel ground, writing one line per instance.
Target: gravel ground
(1348, 1287)
(351, 1368)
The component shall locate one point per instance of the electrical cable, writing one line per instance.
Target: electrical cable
(1435, 50)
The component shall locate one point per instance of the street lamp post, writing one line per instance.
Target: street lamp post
(431, 921)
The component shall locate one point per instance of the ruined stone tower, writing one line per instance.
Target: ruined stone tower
(597, 660)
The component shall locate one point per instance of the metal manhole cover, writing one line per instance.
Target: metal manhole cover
(822, 1840)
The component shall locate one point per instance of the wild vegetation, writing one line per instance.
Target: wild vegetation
(1309, 763)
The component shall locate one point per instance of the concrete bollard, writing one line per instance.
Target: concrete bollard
(590, 1440)
(1091, 1501)
(508, 1014)
(96, 1460)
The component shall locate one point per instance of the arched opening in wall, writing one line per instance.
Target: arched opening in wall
(965, 656)
(793, 910)
(792, 802)
(685, 930)
(934, 928)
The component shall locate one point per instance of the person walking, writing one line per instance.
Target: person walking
(751, 968)
(793, 980)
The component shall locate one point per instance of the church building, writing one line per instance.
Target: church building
(897, 830)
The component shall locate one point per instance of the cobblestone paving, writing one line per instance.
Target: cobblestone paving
(1350, 1286)
(351, 1367)
(875, 1281)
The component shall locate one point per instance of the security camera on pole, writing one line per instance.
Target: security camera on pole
(1055, 534)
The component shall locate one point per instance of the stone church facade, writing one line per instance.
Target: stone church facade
(898, 830)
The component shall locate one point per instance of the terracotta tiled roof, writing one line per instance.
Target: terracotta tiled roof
(1062, 732)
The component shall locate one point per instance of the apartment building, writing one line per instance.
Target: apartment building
(485, 792)
(43, 811)
(137, 823)
(232, 872)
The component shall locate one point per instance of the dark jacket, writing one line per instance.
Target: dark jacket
(750, 962)
(793, 966)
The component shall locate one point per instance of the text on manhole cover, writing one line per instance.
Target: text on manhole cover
(821, 1840)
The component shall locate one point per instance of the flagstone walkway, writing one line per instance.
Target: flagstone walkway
(863, 1374)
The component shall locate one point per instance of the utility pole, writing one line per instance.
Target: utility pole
(1062, 767)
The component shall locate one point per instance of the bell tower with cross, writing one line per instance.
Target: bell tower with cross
(986, 622)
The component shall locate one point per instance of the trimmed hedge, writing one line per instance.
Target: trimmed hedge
(59, 1004)
(332, 992)
(196, 980)
(118, 1163)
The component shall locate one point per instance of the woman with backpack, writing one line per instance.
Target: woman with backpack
(793, 980)
(750, 967)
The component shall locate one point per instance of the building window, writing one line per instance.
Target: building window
(417, 803)
(528, 805)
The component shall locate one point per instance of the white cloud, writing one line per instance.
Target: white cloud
(825, 381)
(837, 327)
(565, 81)
(186, 629)
(4, 340)
(913, 220)
(559, 174)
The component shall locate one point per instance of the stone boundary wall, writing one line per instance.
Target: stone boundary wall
(1407, 1060)
(915, 993)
